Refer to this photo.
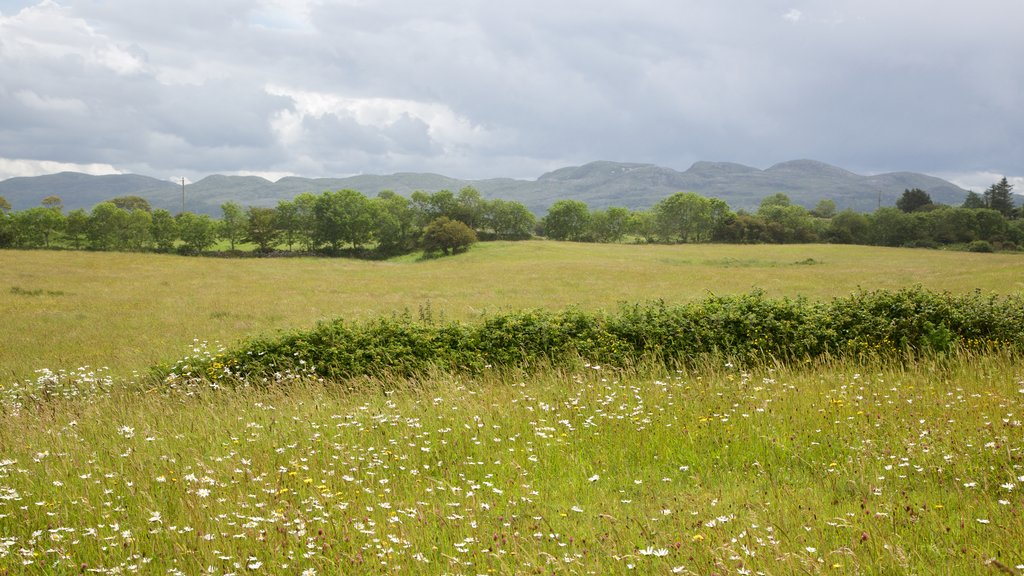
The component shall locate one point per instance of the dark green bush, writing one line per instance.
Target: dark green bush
(748, 328)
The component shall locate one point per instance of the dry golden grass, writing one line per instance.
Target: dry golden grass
(129, 311)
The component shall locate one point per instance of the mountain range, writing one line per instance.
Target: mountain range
(599, 184)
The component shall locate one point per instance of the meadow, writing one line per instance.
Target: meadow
(127, 312)
(839, 466)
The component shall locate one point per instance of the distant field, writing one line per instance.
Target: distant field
(129, 311)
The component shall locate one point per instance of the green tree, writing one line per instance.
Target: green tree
(824, 209)
(508, 220)
(688, 217)
(427, 207)
(973, 201)
(76, 227)
(448, 236)
(849, 227)
(305, 220)
(163, 230)
(5, 206)
(567, 220)
(106, 225)
(394, 223)
(233, 223)
(610, 225)
(343, 217)
(37, 227)
(893, 227)
(786, 222)
(138, 234)
(130, 203)
(469, 208)
(197, 232)
(261, 228)
(913, 200)
(999, 197)
(54, 202)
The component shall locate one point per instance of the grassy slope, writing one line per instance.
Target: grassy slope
(129, 311)
(843, 469)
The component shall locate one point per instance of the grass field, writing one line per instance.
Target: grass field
(130, 311)
(840, 467)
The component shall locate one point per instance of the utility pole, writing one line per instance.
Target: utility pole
(183, 195)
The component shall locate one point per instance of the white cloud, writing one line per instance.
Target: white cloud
(12, 167)
(793, 15)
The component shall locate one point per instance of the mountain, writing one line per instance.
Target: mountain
(599, 184)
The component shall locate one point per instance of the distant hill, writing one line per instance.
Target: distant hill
(599, 184)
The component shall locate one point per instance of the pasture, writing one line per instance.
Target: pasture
(832, 467)
(130, 311)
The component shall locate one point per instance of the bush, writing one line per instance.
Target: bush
(979, 246)
(748, 329)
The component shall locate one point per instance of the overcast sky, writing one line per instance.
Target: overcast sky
(477, 89)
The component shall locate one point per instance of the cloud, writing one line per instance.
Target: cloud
(510, 89)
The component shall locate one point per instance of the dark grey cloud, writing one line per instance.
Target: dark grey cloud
(479, 89)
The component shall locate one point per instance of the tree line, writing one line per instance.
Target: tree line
(343, 222)
(984, 222)
(346, 222)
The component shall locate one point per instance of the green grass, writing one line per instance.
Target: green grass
(839, 467)
(130, 311)
(833, 469)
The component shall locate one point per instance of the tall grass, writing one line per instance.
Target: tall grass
(835, 468)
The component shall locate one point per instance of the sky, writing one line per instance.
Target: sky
(482, 89)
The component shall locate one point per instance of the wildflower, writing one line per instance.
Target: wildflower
(594, 478)
(982, 520)
(155, 517)
(698, 537)
(126, 431)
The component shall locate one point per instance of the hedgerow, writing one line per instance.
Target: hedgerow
(749, 328)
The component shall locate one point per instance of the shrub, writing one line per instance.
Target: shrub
(748, 328)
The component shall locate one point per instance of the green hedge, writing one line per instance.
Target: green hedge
(745, 329)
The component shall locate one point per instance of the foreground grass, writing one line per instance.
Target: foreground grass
(130, 311)
(835, 469)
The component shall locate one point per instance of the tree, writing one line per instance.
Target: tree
(106, 224)
(508, 220)
(5, 206)
(393, 222)
(232, 223)
(163, 230)
(130, 203)
(913, 200)
(610, 225)
(427, 207)
(999, 197)
(893, 227)
(567, 220)
(849, 227)
(824, 209)
(786, 222)
(53, 202)
(343, 217)
(469, 208)
(973, 201)
(37, 227)
(137, 233)
(261, 228)
(76, 227)
(688, 217)
(447, 235)
(197, 232)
